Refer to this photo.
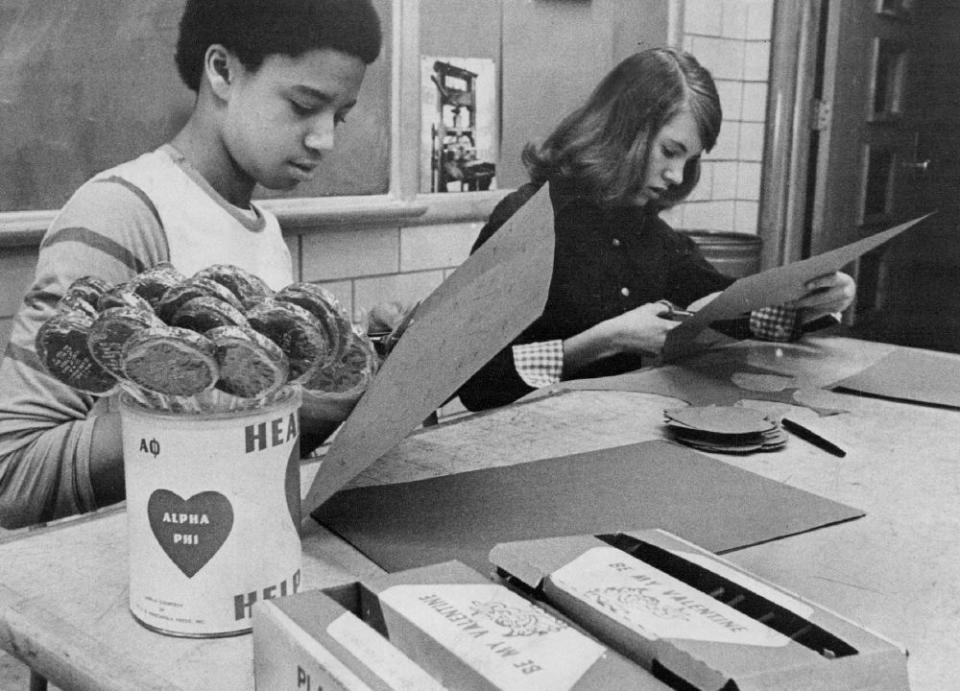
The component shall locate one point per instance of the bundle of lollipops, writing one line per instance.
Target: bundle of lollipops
(219, 340)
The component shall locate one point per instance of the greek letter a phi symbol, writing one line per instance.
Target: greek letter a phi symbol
(151, 447)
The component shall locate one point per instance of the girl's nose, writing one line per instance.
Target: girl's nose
(674, 173)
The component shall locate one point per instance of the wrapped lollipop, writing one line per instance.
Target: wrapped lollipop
(171, 360)
(218, 340)
(298, 333)
(322, 304)
(204, 313)
(153, 283)
(349, 376)
(62, 346)
(184, 291)
(122, 295)
(248, 288)
(110, 332)
(88, 288)
(251, 365)
(83, 295)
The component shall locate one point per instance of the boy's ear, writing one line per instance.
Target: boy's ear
(217, 65)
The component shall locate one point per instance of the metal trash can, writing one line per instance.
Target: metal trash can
(732, 254)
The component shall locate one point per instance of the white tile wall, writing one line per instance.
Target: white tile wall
(734, 21)
(361, 267)
(706, 178)
(748, 180)
(343, 291)
(406, 288)
(723, 57)
(370, 265)
(746, 216)
(436, 246)
(731, 38)
(724, 180)
(703, 17)
(713, 215)
(703, 190)
(337, 254)
(751, 141)
(757, 60)
(728, 144)
(759, 19)
(754, 107)
(731, 97)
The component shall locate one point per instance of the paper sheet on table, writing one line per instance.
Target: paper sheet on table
(481, 307)
(910, 375)
(723, 376)
(772, 287)
(652, 484)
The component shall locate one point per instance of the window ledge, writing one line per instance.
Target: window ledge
(324, 212)
(426, 209)
(26, 228)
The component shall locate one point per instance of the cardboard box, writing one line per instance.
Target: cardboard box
(471, 633)
(314, 641)
(696, 620)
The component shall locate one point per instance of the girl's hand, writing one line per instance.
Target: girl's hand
(700, 303)
(641, 330)
(826, 294)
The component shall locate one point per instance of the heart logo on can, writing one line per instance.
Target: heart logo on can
(192, 530)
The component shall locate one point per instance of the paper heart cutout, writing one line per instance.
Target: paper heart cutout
(190, 530)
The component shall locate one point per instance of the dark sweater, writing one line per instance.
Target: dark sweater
(606, 262)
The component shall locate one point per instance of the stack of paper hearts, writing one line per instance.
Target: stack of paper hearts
(725, 429)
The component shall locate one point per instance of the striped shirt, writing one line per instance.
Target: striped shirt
(124, 220)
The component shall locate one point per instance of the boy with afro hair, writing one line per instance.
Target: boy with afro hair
(273, 79)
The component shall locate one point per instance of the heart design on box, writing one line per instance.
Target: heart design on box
(192, 530)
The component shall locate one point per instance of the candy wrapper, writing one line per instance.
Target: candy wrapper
(217, 341)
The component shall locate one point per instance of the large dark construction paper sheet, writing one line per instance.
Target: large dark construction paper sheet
(920, 376)
(771, 287)
(654, 484)
(482, 306)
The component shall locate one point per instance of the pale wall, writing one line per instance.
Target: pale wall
(364, 265)
(731, 38)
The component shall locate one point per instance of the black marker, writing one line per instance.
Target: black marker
(812, 437)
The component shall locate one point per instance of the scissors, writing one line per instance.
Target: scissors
(673, 312)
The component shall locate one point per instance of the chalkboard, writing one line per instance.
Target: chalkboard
(87, 84)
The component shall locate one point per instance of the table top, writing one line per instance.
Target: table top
(63, 588)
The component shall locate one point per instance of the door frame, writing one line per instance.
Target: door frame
(791, 134)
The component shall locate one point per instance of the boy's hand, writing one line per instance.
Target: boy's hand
(321, 407)
(321, 414)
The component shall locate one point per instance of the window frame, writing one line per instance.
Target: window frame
(402, 204)
(403, 201)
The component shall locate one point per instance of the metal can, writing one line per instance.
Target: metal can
(213, 513)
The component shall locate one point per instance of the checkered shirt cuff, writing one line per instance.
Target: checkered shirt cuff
(539, 364)
(774, 323)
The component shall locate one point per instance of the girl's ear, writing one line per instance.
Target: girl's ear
(218, 66)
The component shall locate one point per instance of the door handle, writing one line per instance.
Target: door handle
(918, 167)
